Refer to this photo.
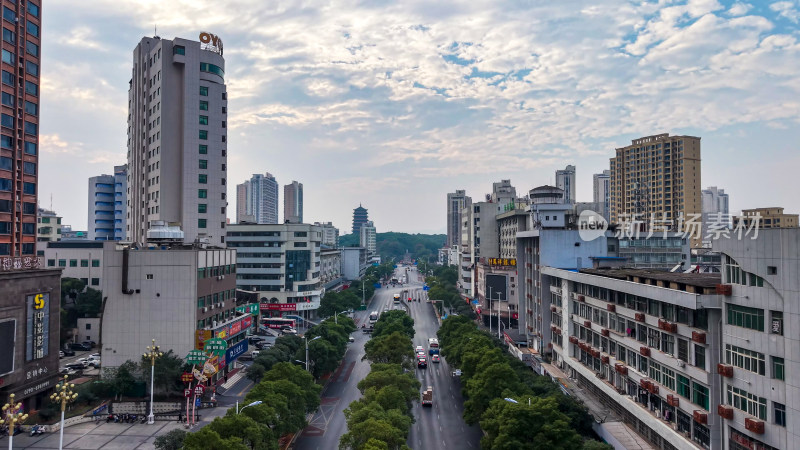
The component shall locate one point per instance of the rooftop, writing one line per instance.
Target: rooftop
(646, 276)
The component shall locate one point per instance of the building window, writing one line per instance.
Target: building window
(9, 15)
(700, 395)
(779, 412)
(29, 228)
(9, 36)
(743, 316)
(683, 387)
(203, 105)
(204, 135)
(772, 270)
(777, 322)
(7, 121)
(204, 91)
(30, 148)
(73, 263)
(6, 184)
(33, 29)
(33, 9)
(51, 263)
(778, 368)
(29, 188)
(204, 164)
(88, 326)
(203, 149)
(84, 263)
(31, 88)
(95, 281)
(31, 108)
(747, 402)
(149, 276)
(32, 48)
(203, 120)
(202, 208)
(211, 68)
(745, 359)
(32, 68)
(7, 100)
(31, 128)
(202, 193)
(8, 78)
(95, 263)
(178, 50)
(201, 223)
(29, 168)
(202, 178)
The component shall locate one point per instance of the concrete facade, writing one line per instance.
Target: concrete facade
(88, 329)
(354, 262)
(765, 218)
(330, 234)
(760, 339)
(566, 181)
(30, 314)
(177, 139)
(646, 345)
(330, 273)
(601, 194)
(456, 202)
(261, 199)
(166, 293)
(107, 206)
(78, 259)
(281, 262)
(368, 237)
(293, 203)
(49, 226)
(658, 175)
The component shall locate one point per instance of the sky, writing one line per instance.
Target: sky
(392, 105)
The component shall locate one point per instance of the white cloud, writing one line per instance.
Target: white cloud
(739, 9)
(787, 10)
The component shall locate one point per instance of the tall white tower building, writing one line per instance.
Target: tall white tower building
(177, 132)
(262, 198)
(565, 180)
(601, 193)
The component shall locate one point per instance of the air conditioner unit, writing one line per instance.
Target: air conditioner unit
(681, 363)
(205, 309)
(215, 323)
(211, 307)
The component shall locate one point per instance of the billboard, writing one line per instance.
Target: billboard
(38, 332)
(235, 351)
(8, 331)
(496, 287)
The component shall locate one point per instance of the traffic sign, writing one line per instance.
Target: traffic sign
(199, 390)
(187, 377)
(187, 392)
(425, 288)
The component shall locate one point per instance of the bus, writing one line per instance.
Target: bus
(373, 317)
(397, 298)
(277, 322)
(433, 346)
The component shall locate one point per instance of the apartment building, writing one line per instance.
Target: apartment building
(368, 237)
(456, 202)
(177, 138)
(644, 344)
(330, 273)
(566, 181)
(281, 262)
(657, 176)
(601, 192)
(508, 224)
(761, 290)
(293, 202)
(764, 218)
(107, 207)
(259, 197)
(81, 259)
(178, 294)
(330, 234)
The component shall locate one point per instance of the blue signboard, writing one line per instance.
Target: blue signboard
(474, 302)
(235, 351)
(425, 288)
(415, 263)
(395, 266)
(377, 285)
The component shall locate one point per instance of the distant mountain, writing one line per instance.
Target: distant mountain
(394, 245)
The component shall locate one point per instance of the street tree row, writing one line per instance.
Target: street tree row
(516, 408)
(382, 418)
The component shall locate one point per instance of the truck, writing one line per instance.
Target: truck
(427, 396)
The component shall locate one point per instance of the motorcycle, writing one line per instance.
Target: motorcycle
(37, 430)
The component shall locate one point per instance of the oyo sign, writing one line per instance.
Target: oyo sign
(211, 42)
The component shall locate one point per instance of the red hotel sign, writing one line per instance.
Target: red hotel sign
(278, 307)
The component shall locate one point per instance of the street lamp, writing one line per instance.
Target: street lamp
(510, 400)
(498, 315)
(312, 340)
(255, 403)
(336, 316)
(12, 415)
(63, 395)
(153, 352)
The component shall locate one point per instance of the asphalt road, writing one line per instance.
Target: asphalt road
(328, 424)
(437, 427)
(440, 426)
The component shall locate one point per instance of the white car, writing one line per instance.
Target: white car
(419, 349)
(94, 363)
(84, 361)
(289, 331)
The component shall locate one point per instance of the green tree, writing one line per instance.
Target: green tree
(493, 382)
(167, 372)
(173, 440)
(208, 439)
(512, 426)
(123, 378)
(391, 321)
(591, 444)
(395, 348)
(254, 435)
(383, 375)
(373, 429)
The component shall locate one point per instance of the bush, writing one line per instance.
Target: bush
(170, 441)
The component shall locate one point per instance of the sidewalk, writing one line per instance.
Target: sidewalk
(96, 435)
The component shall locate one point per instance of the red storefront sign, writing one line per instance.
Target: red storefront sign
(235, 328)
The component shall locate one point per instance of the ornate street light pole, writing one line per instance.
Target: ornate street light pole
(12, 415)
(153, 352)
(63, 395)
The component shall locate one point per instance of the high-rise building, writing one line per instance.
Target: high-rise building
(20, 135)
(242, 204)
(260, 199)
(330, 234)
(293, 203)
(49, 229)
(656, 176)
(176, 163)
(368, 238)
(716, 211)
(456, 201)
(360, 217)
(565, 180)
(107, 210)
(766, 218)
(601, 192)
(503, 194)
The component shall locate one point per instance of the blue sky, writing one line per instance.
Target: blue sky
(394, 104)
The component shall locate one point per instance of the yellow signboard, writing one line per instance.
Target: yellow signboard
(502, 261)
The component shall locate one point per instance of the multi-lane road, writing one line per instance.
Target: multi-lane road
(437, 427)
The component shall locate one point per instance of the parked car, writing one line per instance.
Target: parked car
(68, 352)
(60, 354)
(351, 339)
(255, 339)
(94, 363)
(255, 354)
(66, 371)
(80, 347)
(289, 331)
(263, 345)
(95, 355)
(75, 366)
(84, 361)
(91, 344)
(246, 357)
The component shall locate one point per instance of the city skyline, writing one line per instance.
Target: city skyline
(424, 102)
